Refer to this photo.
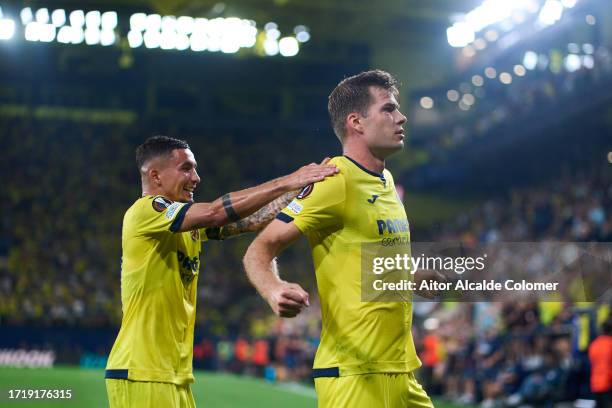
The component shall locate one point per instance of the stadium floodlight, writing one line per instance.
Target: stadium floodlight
(168, 23)
(588, 48)
(78, 35)
(109, 20)
(490, 72)
(214, 43)
(460, 34)
(273, 34)
(551, 12)
(93, 19)
(92, 36)
(494, 11)
(426, 102)
(166, 40)
(32, 31)
(198, 42)
(519, 70)
(573, 63)
(138, 22)
(530, 60)
(153, 23)
(152, 38)
(77, 18)
(452, 95)
(181, 41)
(64, 35)
(7, 28)
(568, 3)
(463, 106)
(491, 35)
(288, 46)
(588, 62)
(26, 15)
(249, 35)
(185, 24)
(42, 16)
(270, 47)
(107, 37)
(590, 19)
(477, 80)
(480, 44)
(505, 78)
(573, 48)
(303, 36)
(271, 26)
(58, 17)
(230, 44)
(134, 39)
(468, 99)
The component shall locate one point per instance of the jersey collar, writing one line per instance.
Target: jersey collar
(370, 172)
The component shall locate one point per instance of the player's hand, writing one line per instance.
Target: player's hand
(309, 174)
(287, 299)
(431, 276)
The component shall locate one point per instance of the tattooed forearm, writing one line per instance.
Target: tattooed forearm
(259, 219)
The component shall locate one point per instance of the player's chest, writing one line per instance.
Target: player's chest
(374, 212)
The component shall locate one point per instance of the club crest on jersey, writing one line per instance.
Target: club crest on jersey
(195, 235)
(305, 192)
(160, 203)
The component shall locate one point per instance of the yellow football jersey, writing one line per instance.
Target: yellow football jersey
(338, 215)
(159, 276)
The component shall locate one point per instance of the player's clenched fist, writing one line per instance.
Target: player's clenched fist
(310, 174)
(287, 299)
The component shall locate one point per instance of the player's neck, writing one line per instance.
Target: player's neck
(151, 191)
(364, 157)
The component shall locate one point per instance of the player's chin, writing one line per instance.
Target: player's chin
(186, 197)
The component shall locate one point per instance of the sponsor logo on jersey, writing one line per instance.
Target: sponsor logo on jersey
(188, 267)
(392, 226)
(295, 207)
(305, 192)
(172, 209)
(373, 199)
(160, 203)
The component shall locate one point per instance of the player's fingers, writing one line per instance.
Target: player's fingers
(288, 314)
(325, 160)
(290, 304)
(295, 296)
(299, 291)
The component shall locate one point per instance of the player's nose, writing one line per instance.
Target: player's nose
(401, 119)
(195, 178)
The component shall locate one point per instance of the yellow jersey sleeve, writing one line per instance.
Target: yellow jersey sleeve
(158, 214)
(317, 206)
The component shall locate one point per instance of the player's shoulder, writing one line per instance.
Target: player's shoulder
(148, 205)
(388, 176)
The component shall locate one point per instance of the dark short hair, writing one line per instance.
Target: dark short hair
(352, 94)
(157, 146)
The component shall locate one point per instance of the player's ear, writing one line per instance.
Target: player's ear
(353, 121)
(154, 176)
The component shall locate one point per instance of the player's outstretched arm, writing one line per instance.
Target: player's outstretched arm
(234, 206)
(254, 222)
(286, 299)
